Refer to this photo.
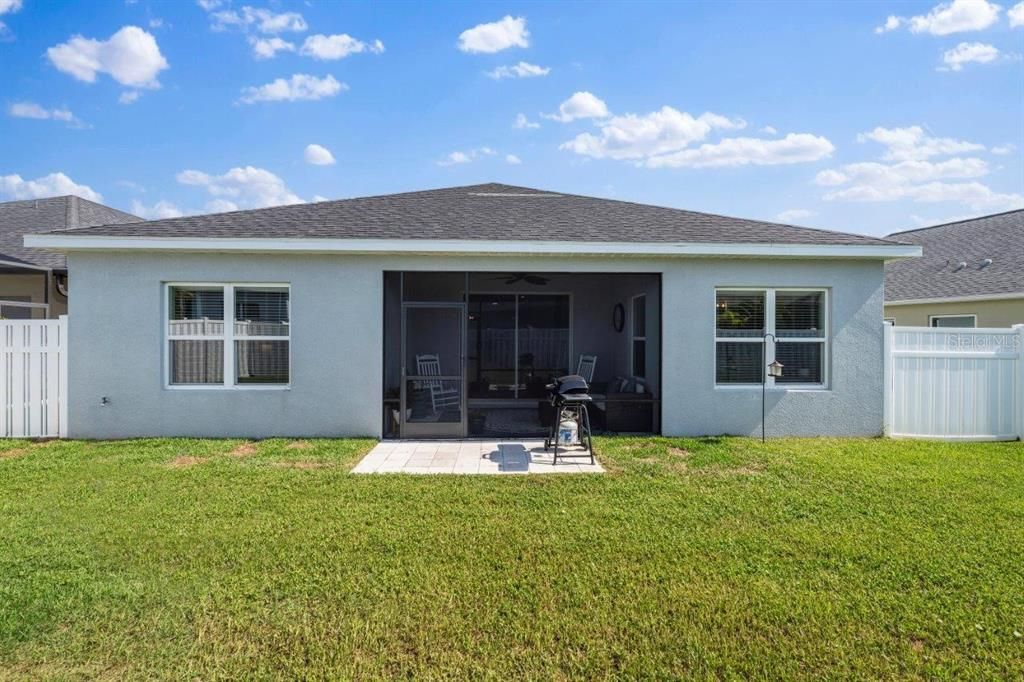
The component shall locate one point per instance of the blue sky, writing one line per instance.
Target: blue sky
(861, 116)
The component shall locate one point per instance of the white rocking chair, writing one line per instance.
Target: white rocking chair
(444, 394)
(586, 366)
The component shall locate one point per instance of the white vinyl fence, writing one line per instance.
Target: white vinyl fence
(33, 378)
(954, 384)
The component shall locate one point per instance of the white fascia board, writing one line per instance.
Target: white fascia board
(67, 242)
(958, 299)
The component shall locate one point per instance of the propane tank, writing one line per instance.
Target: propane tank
(568, 432)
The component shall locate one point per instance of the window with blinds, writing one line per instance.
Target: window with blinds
(739, 330)
(791, 322)
(800, 332)
(253, 348)
(261, 336)
(195, 334)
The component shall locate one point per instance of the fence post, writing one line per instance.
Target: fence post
(887, 367)
(1019, 393)
(62, 380)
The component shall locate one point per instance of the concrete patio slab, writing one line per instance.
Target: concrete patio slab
(471, 457)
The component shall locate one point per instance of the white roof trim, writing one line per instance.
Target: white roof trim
(958, 299)
(69, 242)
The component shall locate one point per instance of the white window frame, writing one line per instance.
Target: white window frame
(769, 351)
(633, 339)
(230, 382)
(974, 320)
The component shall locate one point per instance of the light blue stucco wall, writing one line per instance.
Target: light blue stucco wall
(117, 317)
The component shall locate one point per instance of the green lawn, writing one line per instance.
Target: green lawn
(707, 558)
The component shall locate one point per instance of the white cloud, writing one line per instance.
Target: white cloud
(1016, 15)
(262, 20)
(495, 36)
(912, 177)
(7, 7)
(659, 132)
(580, 105)
(337, 46)
(948, 17)
(129, 97)
(965, 53)
(318, 156)
(891, 24)
(209, 5)
(159, 210)
(317, 198)
(1003, 150)
(973, 194)
(769, 130)
(794, 215)
(663, 139)
(246, 187)
(33, 110)
(458, 157)
(454, 158)
(52, 185)
(912, 143)
(830, 178)
(299, 87)
(873, 181)
(156, 22)
(267, 48)
(221, 206)
(744, 151)
(131, 57)
(520, 70)
(523, 123)
(513, 159)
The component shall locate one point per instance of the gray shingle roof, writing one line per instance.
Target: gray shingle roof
(938, 274)
(490, 211)
(18, 218)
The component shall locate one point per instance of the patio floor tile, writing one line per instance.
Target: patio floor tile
(505, 457)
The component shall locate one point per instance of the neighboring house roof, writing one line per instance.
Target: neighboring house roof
(489, 212)
(18, 218)
(955, 260)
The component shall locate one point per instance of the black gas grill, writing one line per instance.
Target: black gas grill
(570, 396)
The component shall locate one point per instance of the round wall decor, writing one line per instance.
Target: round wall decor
(619, 317)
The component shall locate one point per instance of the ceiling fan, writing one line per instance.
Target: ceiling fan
(516, 277)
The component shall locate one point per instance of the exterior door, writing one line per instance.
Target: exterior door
(433, 375)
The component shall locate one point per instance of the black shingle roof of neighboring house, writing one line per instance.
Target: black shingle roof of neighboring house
(941, 273)
(31, 216)
(482, 212)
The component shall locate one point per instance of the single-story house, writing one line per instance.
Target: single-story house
(443, 313)
(971, 274)
(34, 282)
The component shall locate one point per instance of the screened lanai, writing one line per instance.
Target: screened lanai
(470, 353)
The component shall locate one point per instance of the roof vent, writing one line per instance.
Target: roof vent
(985, 263)
(960, 266)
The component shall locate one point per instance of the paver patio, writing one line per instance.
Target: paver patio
(470, 457)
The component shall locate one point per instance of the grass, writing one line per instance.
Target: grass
(698, 558)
